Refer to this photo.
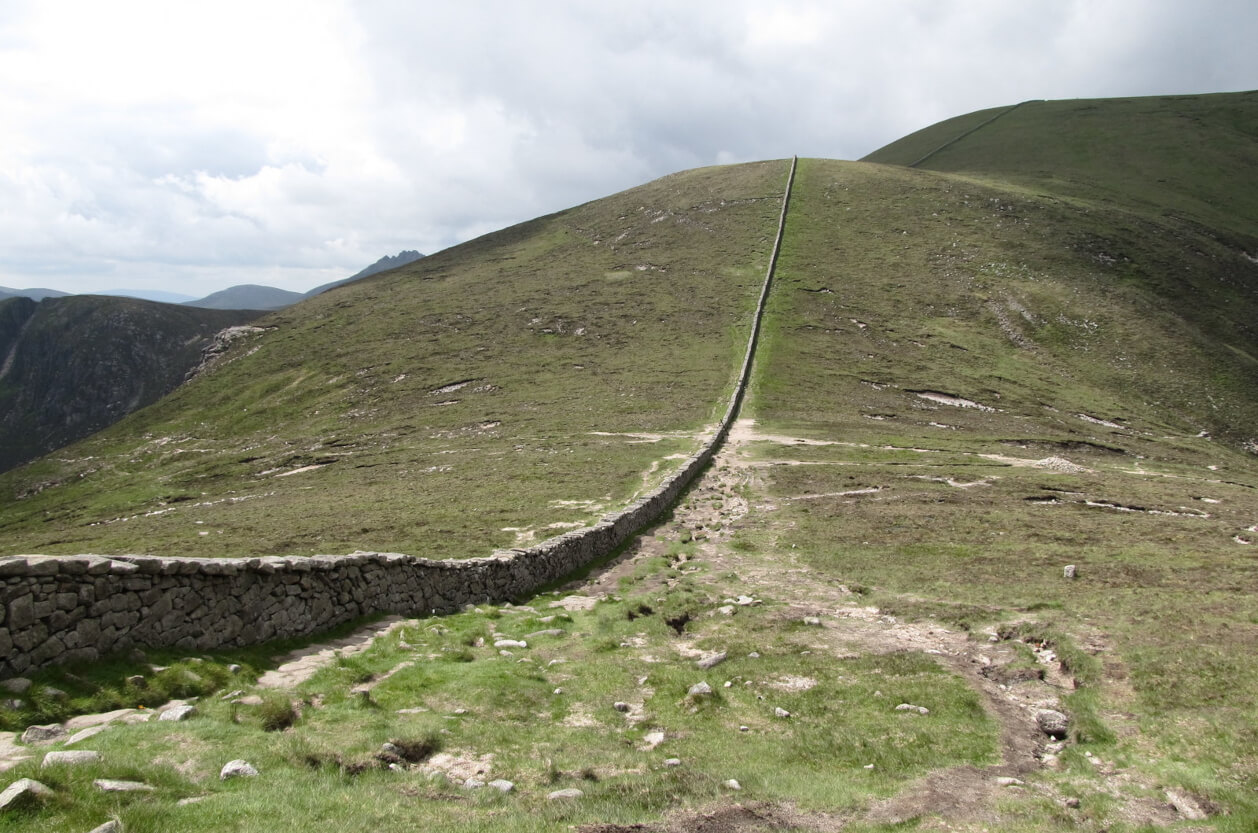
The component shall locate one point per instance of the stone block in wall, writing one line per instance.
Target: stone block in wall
(22, 612)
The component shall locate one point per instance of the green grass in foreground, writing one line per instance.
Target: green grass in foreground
(543, 718)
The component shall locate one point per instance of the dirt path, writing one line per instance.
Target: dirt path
(849, 626)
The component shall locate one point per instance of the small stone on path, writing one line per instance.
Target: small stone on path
(70, 757)
(109, 785)
(180, 712)
(1185, 806)
(16, 685)
(23, 791)
(1052, 723)
(712, 661)
(909, 707)
(571, 792)
(547, 632)
(237, 769)
(46, 733)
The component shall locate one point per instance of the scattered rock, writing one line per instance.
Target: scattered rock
(176, 713)
(233, 668)
(42, 734)
(781, 712)
(672, 762)
(699, 691)
(501, 785)
(22, 792)
(621, 707)
(712, 661)
(725, 610)
(812, 620)
(137, 681)
(1070, 571)
(1006, 781)
(754, 655)
(237, 769)
(112, 826)
(547, 632)
(16, 685)
(732, 784)
(1073, 803)
(571, 792)
(510, 643)
(909, 707)
(70, 757)
(473, 784)
(1186, 806)
(83, 734)
(111, 786)
(744, 601)
(1053, 723)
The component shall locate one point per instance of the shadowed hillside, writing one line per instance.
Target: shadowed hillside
(71, 366)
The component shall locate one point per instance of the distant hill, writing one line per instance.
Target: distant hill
(71, 366)
(382, 265)
(248, 296)
(33, 294)
(148, 295)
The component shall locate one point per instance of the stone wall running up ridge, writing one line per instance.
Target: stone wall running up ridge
(57, 609)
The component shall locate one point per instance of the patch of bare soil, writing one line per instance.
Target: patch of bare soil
(737, 818)
(1011, 691)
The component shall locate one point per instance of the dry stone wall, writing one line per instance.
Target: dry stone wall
(77, 608)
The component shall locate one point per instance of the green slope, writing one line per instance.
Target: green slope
(473, 399)
(1189, 157)
(1098, 305)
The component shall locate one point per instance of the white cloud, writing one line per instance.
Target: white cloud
(193, 146)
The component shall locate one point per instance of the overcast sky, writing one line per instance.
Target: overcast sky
(190, 146)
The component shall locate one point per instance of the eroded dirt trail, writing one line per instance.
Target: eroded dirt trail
(847, 626)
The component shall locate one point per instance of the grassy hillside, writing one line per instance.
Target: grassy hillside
(969, 380)
(506, 389)
(1186, 158)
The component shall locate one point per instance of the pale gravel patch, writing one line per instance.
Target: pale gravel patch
(300, 665)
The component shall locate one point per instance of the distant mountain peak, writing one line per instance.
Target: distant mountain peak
(384, 264)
